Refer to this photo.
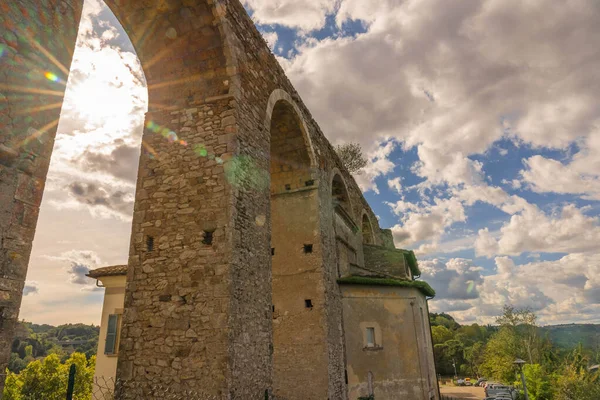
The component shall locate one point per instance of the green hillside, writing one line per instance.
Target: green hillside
(33, 341)
(571, 335)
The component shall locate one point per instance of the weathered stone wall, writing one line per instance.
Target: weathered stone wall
(34, 68)
(299, 335)
(401, 362)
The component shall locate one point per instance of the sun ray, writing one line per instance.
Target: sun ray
(45, 52)
(187, 79)
(160, 106)
(33, 110)
(19, 89)
(38, 133)
(150, 149)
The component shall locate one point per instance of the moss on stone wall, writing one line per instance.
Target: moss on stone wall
(391, 261)
(411, 259)
(361, 280)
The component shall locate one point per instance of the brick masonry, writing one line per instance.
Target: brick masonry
(233, 165)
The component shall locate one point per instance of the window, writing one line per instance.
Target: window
(308, 303)
(370, 337)
(112, 331)
(208, 238)
(150, 243)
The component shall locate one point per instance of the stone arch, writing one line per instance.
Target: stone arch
(340, 195)
(297, 291)
(187, 60)
(367, 229)
(278, 97)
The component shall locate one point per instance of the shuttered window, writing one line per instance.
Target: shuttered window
(110, 346)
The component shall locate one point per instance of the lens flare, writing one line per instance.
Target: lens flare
(51, 77)
(470, 286)
(244, 173)
(260, 220)
(200, 150)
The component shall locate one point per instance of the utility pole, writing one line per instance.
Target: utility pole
(520, 364)
(454, 365)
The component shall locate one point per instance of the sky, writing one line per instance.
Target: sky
(480, 119)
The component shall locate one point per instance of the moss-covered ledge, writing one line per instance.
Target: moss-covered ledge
(362, 280)
(391, 261)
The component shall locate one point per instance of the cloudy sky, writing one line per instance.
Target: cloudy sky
(481, 119)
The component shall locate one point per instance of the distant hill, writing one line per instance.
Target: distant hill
(33, 341)
(570, 335)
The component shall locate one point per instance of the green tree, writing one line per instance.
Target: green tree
(47, 379)
(539, 384)
(500, 353)
(440, 334)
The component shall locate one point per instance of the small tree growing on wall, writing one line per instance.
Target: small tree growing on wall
(352, 156)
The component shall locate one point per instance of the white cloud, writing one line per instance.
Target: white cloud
(443, 89)
(463, 290)
(457, 279)
(379, 165)
(486, 244)
(306, 15)
(534, 231)
(396, 184)
(271, 39)
(580, 176)
(426, 221)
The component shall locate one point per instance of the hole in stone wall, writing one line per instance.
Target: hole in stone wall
(288, 186)
(208, 237)
(164, 298)
(309, 183)
(273, 307)
(308, 303)
(149, 243)
(308, 248)
(272, 251)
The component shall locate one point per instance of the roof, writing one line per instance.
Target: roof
(114, 270)
(422, 286)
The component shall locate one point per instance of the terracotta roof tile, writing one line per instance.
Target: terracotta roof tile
(108, 271)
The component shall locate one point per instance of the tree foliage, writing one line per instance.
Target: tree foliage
(47, 379)
(551, 372)
(352, 157)
(38, 341)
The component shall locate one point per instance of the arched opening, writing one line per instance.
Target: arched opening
(185, 60)
(344, 226)
(290, 160)
(339, 195)
(367, 230)
(299, 345)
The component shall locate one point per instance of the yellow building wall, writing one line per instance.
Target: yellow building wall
(114, 299)
(401, 365)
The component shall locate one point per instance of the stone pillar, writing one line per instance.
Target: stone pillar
(37, 39)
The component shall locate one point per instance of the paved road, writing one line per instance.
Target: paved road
(473, 393)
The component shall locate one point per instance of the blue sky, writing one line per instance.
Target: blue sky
(480, 121)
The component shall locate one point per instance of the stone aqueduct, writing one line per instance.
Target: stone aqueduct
(209, 232)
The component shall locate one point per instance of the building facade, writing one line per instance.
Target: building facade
(113, 280)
